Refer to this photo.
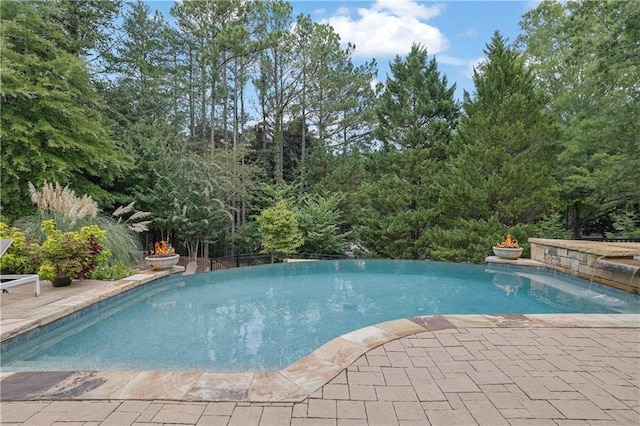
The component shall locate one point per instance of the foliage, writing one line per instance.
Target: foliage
(584, 54)
(416, 109)
(72, 254)
(52, 124)
(626, 224)
(417, 115)
(466, 240)
(319, 220)
(19, 257)
(279, 229)
(503, 157)
(110, 273)
(551, 226)
(63, 202)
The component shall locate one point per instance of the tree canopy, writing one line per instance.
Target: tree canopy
(239, 126)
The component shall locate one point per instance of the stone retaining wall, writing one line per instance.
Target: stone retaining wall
(580, 258)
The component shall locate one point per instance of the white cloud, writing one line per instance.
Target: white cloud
(389, 28)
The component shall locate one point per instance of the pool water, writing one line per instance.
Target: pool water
(267, 317)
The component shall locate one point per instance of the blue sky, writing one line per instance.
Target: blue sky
(455, 31)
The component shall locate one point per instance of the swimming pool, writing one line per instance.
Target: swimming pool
(267, 317)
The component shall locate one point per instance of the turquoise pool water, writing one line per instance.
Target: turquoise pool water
(267, 317)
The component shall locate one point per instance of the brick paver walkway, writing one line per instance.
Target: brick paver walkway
(463, 376)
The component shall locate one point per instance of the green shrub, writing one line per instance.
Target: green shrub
(19, 257)
(111, 272)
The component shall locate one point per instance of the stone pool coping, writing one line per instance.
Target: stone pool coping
(292, 384)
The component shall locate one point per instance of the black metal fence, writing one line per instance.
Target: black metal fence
(611, 240)
(251, 259)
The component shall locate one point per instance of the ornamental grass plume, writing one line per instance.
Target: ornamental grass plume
(63, 201)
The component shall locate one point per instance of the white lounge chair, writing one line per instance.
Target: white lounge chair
(11, 280)
(190, 269)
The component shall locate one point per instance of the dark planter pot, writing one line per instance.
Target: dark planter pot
(61, 281)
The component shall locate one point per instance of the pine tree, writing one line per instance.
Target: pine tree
(504, 152)
(417, 114)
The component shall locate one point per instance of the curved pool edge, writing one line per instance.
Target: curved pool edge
(294, 383)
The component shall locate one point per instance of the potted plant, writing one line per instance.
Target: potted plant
(508, 249)
(162, 257)
(70, 255)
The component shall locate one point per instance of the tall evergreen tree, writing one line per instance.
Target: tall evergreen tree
(417, 115)
(505, 148)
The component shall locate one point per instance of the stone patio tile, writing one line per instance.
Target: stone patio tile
(447, 339)
(149, 412)
(312, 422)
(418, 374)
(276, 416)
(394, 346)
(133, 406)
(322, 408)
(489, 377)
(47, 419)
(364, 378)
(450, 417)
(600, 397)
(351, 410)
(20, 412)
(300, 410)
(340, 379)
(409, 411)
(362, 393)
(457, 383)
(459, 353)
(631, 417)
(352, 422)
(531, 422)
(395, 376)
(504, 400)
(219, 409)
(580, 409)
(246, 416)
(331, 391)
(541, 409)
(396, 393)
(431, 342)
(179, 413)
(210, 421)
(428, 390)
(454, 366)
(485, 413)
(86, 411)
(380, 413)
(483, 365)
(399, 359)
(378, 360)
(120, 418)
